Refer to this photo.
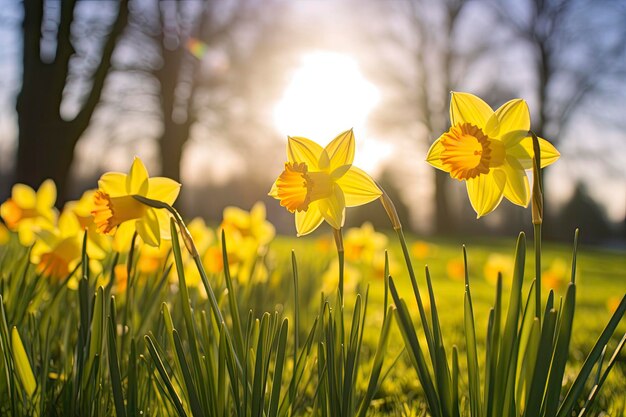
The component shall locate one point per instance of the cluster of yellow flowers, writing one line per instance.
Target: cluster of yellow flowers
(489, 150)
(110, 215)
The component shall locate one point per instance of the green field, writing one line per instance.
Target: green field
(47, 314)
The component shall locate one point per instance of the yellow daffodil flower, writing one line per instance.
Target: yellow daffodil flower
(319, 183)
(455, 268)
(26, 210)
(248, 224)
(364, 243)
(556, 277)
(5, 235)
(247, 236)
(498, 263)
(152, 259)
(490, 151)
(364, 248)
(115, 206)
(98, 244)
(58, 250)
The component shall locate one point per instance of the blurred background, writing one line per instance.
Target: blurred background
(206, 92)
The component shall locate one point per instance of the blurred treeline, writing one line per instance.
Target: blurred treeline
(190, 86)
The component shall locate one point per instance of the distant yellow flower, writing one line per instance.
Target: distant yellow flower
(556, 276)
(115, 205)
(58, 249)
(248, 224)
(455, 268)
(203, 237)
(422, 249)
(498, 263)
(247, 237)
(351, 275)
(27, 210)
(4, 234)
(365, 247)
(151, 259)
(490, 151)
(363, 243)
(121, 279)
(319, 183)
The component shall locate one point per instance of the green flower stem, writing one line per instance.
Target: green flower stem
(191, 247)
(537, 236)
(537, 218)
(397, 226)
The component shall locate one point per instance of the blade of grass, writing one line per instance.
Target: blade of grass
(579, 383)
(114, 369)
(156, 359)
(415, 351)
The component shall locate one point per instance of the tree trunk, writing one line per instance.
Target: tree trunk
(46, 141)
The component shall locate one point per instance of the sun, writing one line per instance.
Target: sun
(327, 95)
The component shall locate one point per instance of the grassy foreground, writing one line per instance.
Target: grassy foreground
(123, 340)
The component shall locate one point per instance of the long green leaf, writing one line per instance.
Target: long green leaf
(114, 369)
(415, 351)
(156, 359)
(22, 364)
(579, 383)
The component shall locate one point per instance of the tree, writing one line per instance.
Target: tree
(577, 49)
(427, 65)
(187, 91)
(47, 139)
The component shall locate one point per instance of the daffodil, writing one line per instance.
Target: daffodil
(98, 244)
(58, 249)
(247, 235)
(26, 210)
(5, 235)
(251, 224)
(490, 151)
(363, 243)
(116, 208)
(498, 264)
(319, 183)
(365, 247)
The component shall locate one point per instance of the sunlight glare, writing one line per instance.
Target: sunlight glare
(327, 95)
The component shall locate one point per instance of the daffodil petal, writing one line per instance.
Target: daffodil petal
(340, 172)
(25, 232)
(341, 150)
(46, 194)
(358, 187)
(273, 191)
(523, 152)
(258, 212)
(517, 189)
(163, 189)
(434, 154)
(513, 116)
(301, 149)
(123, 237)
(333, 208)
(148, 228)
(163, 217)
(486, 191)
(309, 220)
(24, 196)
(467, 108)
(46, 240)
(113, 183)
(137, 179)
(68, 224)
